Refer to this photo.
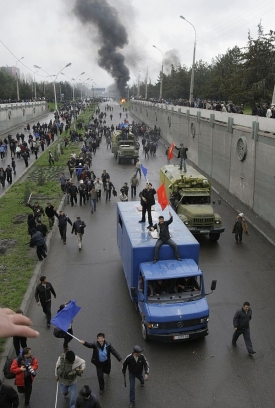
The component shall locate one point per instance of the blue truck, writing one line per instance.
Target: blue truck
(180, 311)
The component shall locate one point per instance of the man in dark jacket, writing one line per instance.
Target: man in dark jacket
(41, 227)
(49, 210)
(164, 237)
(43, 297)
(78, 229)
(136, 363)
(147, 200)
(182, 155)
(102, 358)
(9, 174)
(73, 190)
(62, 224)
(108, 189)
(38, 240)
(37, 209)
(86, 399)
(8, 396)
(241, 321)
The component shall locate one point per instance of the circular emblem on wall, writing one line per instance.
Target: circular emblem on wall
(241, 148)
(193, 129)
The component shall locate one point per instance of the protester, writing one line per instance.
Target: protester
(63, 219)
(43, 297)
(134, 183)
(49, 211)
(240, 226)
(102, 358)
(9, 397)
(241, 322)
(136, 363)
(67, 370)
(78, 229)
(147, 199)
(86, 399)
(24, 367)
(38, 240)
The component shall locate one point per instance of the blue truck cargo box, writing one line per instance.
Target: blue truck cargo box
(137, 246)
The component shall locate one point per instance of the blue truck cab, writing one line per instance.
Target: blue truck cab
(170, 294)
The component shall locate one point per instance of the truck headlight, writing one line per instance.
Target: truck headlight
(204, 320)
(186, 222)
(152, 325)
(217, 221)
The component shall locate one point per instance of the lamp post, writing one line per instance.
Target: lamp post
(17, 80)
(191, 96)
(55, 101)
(82, 83)
(161, 75)
(73, 79)
(146, 78)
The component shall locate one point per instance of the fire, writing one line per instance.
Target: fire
(123, 100)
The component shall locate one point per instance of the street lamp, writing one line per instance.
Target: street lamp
(191, 96)
(161, 77)
(17, 82)
(55, 100)
(146, 78)
(82, 83)
(73, 79)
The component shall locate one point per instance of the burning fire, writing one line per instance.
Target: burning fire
(123, 100)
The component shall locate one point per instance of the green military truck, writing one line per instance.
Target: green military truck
(190, 195)
(124, 146)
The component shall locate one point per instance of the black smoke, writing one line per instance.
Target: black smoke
(112, 36)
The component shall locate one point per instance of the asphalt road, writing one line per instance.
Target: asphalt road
(198, 374)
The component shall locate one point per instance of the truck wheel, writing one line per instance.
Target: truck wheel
(214, 237)
(144, 332)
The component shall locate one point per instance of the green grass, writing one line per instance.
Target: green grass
(247, 110)
(18, 262)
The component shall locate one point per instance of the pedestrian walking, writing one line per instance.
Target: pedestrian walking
(19, 341)
(13, 165)
(73, 191)
(63, 220)
(240, 226)
(8, 396)
(63, 182)
(137, 169)
(241, 322)
(43, 297)
(162, 228)
(93, 199)
(51, 159)
(182, 155)
(98, 186)
(24, 367)
(147, 199)
(9, 174)
(108, 189)
(134, 182)
(101, 358)
(136, 363)
(2, 177)
(104, 177)
(38, 240)
(67, 370)
(49, 211)
(86, 399)
(78, 229)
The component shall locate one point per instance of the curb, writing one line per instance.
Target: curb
(9, 350)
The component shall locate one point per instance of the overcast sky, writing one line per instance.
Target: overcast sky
(48, 34)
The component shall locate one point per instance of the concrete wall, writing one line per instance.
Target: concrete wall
(15, 114)
(238, 151)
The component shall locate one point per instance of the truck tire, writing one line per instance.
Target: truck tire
(214, 237)
(144, 332)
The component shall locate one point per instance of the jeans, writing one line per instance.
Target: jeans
(169, 242)
(93, 205)
(132, 378)
(133, 191)
(182, 163)
(65, 389)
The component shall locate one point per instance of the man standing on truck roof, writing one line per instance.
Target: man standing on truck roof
(147, 199)
(164, 237)
(182, 155)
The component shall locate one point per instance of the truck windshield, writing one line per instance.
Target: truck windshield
(195, 200)
(178, 289)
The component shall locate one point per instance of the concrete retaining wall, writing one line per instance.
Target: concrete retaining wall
(238, 151)
(15, 114)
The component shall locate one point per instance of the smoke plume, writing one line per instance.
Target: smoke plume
(171, 57)
(112, 36)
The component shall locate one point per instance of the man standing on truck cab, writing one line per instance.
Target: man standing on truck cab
(147, 199)
(182, 156)
(164, 237)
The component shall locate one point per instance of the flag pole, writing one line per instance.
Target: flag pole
(56, 394)
(73, 336)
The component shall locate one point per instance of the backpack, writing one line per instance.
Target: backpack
(6, 369)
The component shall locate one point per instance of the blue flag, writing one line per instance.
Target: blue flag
(63, 319)
(144, 170)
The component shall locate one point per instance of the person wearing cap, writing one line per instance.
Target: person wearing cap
(86, 399)
(67, 370)
(43, 296)
(240, 226)
(63, 220)
(101, 357)
(147, 199)
(136, 363)
(8, 396)
(78, 229)
(182, 155)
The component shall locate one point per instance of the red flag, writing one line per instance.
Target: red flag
(170, 154)
(162, 197)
